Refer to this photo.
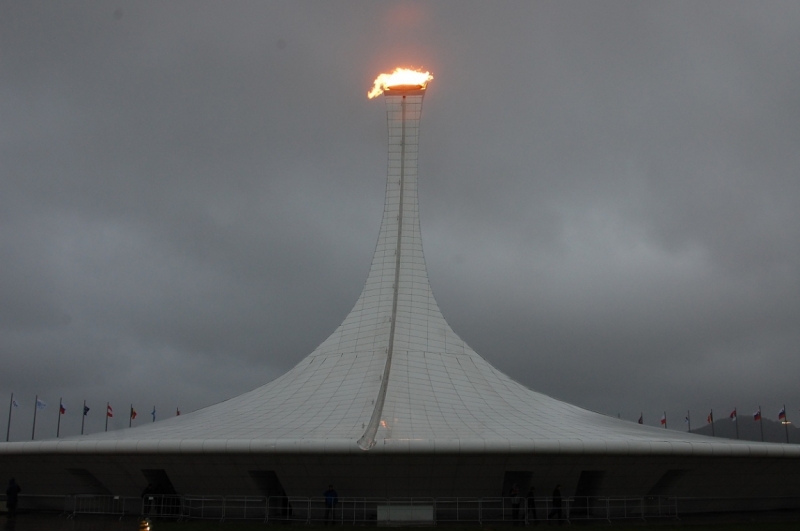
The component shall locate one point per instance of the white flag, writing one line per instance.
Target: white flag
(40, 404)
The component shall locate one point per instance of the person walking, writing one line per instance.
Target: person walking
(556, 511)
(531, 506)
(331, 499)
(12, 494)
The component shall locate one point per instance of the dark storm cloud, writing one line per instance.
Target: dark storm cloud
(190, 194)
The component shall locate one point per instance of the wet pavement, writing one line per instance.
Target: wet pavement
(51, 522)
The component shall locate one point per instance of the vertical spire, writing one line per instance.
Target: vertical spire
(403, 114)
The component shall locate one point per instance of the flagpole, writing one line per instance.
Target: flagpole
(107, 404)
(10, 408)
(736, 421)
(665, 420)
(58, 426)
(83, 416)
(35, 407)
(761, 423)
(130, 416)
(689, 419)
(712, 423)
(786, 423)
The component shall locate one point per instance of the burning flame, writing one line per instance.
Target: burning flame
(400, 77)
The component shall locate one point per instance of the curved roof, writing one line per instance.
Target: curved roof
(394, 377)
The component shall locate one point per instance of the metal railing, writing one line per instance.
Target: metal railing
(314, 510)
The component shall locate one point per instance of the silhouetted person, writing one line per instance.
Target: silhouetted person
(147, 498)
(331, 499)
(531, 501)
(285, 507)
(515, 503)
(556, 504)
(12, 494)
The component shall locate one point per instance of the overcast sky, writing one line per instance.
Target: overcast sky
(190, 195)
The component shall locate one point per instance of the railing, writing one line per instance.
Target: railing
(302, 510)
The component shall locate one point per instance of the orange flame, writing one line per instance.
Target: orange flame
(400, 77)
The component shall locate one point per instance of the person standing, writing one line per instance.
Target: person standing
(12, 494)
(531, 502)
(515, 503)
(331, 499)
(556, 504)
(147, 498)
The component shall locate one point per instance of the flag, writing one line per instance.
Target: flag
(40, 404)
(757, 415)
(782, 414)
(133, 413)
(641, 419)
(710, 418)
(177, 412)
(109, 411)
(664, 418)
(154, 413)
(686, 419)
(733, 415)
(85, 410)
(62, 409)
(14, 403)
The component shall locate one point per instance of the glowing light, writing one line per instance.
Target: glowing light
(401, 77)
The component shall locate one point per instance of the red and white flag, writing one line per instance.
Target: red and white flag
(109, 411)
(733, 415)
(664, 419)
(782, 414)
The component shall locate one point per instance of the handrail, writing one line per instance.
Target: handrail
(355, 510)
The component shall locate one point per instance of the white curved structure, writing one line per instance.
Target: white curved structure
(395, 403)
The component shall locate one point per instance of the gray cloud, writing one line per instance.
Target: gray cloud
(190, 195)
